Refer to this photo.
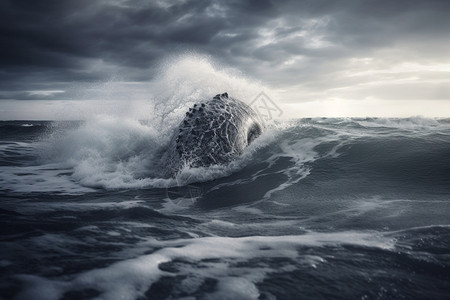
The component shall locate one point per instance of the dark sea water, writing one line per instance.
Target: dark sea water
(314, 209)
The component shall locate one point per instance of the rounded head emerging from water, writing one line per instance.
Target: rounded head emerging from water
(214, 131)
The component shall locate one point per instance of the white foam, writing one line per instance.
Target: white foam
(221, 223)
(299, 153)
(191, 283)
(108, 152)
(44, 178)
(129, 279)
(117, 151)
(235, 288)
(177, 205)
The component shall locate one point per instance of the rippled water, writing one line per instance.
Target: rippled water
(315, 208)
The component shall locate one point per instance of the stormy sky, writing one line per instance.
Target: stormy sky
(308, 51)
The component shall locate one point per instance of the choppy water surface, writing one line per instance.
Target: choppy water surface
(315, 208)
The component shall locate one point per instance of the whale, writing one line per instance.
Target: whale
(213, 132)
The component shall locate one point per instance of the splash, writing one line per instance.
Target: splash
(116, 149)
(187, 78)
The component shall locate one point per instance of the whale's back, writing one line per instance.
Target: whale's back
(213, 132)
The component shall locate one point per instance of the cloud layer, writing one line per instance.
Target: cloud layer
(309, 49)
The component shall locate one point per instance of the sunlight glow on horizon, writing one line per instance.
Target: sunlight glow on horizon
(363, 87)
(140, 109)
(339, 108)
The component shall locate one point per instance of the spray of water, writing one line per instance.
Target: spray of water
(189, 78)
(116, 150)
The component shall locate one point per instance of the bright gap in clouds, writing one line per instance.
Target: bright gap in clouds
(373, 87)
(363, 87)
(368, 108)
(141, 109)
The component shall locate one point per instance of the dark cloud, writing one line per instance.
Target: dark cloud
(50, 44)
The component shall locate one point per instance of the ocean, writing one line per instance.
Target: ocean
(324, 208)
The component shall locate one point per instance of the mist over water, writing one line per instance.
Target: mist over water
(339, 208)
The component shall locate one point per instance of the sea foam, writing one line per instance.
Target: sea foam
(130, 279)
(118, 151)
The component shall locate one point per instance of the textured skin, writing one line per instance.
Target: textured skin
(213, 132)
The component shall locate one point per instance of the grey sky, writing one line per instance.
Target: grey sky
(308, 49)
